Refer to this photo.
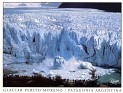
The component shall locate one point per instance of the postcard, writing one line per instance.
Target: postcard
(61, 47)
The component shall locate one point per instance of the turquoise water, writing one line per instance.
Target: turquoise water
(114, 78)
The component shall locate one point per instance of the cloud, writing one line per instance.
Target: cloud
(51, 4)
(17, 5)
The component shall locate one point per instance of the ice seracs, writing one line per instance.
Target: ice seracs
(93, 36)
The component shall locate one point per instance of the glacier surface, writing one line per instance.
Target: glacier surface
(87, 34)
(64, 39)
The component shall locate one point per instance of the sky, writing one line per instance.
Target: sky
(43, 5)
(110, 7)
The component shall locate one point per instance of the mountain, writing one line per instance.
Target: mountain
(111, 7)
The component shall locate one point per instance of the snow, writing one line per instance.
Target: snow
(79, 37)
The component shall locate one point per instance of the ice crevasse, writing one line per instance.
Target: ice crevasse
(87, 35)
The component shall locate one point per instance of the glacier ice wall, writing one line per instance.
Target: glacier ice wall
(88, 35)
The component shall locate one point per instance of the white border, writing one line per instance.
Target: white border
(64, 89)
(61, 0)
(1, 46)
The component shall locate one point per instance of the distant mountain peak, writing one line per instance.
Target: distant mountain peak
(110, 7)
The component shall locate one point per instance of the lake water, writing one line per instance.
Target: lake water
(114, 78)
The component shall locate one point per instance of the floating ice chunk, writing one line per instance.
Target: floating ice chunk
(58, 62)
(35, 72)
(50, 74)
(86, 65)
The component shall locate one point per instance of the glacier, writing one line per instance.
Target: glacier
(86, 35)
